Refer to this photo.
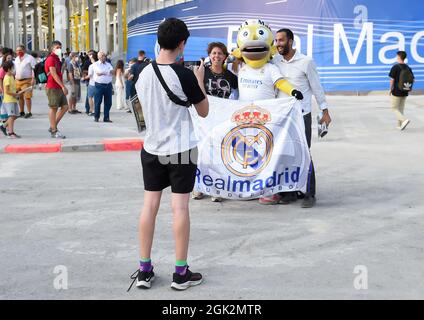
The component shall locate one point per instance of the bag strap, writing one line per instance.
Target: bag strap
(172, 96)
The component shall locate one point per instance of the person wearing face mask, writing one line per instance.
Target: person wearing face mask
(75, 75)
(56, 89)
(25, 78)
(301, 71)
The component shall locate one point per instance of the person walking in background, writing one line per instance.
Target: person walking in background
(75, 74)
(9, 107)
(402, 80)
(25, 79)
(56, 89)
(103, 72)
(120, 85)
(91, 90)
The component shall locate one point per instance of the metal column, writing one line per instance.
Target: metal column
(103, 27)
(90, 24)
(50, 22)
(6, 23)
(120, 29)
(61, 22)
(24, 25)
(35, 26)
(16, 30)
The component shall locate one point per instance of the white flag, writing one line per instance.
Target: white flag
(251, 149)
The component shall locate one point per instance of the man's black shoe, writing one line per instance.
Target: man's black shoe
(186, 281)
(22, 114)
(28, 115)
(308, 202)
(108, 121)
(288, 197)
(96, 120)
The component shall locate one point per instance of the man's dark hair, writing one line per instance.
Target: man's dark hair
(171, 33)
(288, 33)
(8, 65)
(56, 43)
(133, 60)
(402, 55)
(141, 53)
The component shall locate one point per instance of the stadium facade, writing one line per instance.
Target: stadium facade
(354, 43)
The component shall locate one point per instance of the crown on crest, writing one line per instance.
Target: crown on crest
(251, 115)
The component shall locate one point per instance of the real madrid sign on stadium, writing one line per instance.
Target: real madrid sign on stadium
(248, 150)
(353, 42)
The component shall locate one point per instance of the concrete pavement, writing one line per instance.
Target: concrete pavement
(80, 211)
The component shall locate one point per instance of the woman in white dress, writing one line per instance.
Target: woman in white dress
(120, 85)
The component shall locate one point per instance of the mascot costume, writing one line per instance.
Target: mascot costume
(258, 79)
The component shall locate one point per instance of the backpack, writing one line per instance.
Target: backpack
(406, 79)
(40, 72)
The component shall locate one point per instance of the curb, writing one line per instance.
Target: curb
(125, 145)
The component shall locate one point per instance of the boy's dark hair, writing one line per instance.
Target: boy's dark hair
(171, 32)
(133, 60)
(402, 55)
(141, 53)
(288, 33)
(8, 65)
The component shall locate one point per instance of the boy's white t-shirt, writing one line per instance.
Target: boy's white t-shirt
(169, 127)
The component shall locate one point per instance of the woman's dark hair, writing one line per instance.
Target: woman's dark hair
(95, 56)
(120, 65)
(5, 57)
(8, 65)
(219, 45)
(171, 33)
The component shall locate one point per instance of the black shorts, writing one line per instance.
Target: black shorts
(177, 171)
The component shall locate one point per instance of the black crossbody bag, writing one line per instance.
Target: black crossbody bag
(173, 97)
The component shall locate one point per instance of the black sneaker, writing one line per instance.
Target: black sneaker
(28, 115)
(3, 129)
(22, 114)
(288, 197)
(308, 202)
(144, 279)
(186, 281)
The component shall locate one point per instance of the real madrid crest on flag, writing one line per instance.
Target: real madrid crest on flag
(247, 149)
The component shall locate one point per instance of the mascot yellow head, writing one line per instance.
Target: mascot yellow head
(255, 43)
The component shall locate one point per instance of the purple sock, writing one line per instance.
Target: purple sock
(146, 266)
(181, 270)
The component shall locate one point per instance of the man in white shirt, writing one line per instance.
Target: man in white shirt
(103, 72)
(302, 73)
(25, 79)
